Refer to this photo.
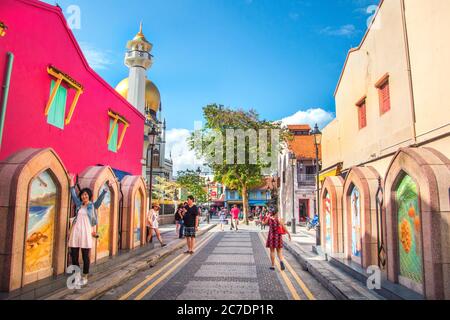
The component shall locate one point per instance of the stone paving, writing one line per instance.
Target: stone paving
(230, 266)
(225, 269)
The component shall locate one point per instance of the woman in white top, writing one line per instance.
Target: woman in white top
(153, 224)
(83, 226)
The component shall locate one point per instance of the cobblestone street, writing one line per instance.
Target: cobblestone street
(227, 265)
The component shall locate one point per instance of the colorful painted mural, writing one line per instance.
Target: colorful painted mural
(103, 228)
(410, 235)
(41, 224)
(328, 232)
(356, 223)
(137, 217)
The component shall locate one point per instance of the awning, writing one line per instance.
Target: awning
(331, 172)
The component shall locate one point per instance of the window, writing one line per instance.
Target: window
(362, 116)
(57, 112)
(114, 128)
(384, 94)
(114, 142)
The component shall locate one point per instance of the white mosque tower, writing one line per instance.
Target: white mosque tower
(145, 97)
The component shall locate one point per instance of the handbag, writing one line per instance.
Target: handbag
(281, 230)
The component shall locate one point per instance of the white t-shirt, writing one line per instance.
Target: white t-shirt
(153, 217)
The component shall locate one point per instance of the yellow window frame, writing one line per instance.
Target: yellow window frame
(117, 118)
(3, 28)
(61, 76)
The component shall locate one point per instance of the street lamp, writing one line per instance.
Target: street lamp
(293, 160)
(152, 134)
(317, 141)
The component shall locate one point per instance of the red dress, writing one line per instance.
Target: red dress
(274, 239)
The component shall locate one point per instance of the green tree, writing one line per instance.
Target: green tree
(193, 184)
(164, 189)
(237, 174)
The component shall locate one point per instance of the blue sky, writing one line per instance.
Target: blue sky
(280, 57)
(276, 56)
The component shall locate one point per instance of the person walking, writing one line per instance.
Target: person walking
(82, 229)
(222, 218)
(262, 217)
(275, 237)
(190, 224)
(153, 224)
(179, 220)
(235, 217)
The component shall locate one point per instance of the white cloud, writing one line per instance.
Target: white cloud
(347, 30)
(98, 60)
(183, 157)
(310, 116)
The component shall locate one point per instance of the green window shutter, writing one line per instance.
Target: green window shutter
(114, 138)
(57, 113)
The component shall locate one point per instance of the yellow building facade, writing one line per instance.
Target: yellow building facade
(391, 135)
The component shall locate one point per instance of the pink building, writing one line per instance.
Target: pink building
(57, 116)
(39, 38)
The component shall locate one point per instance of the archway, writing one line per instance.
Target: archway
(360, 220)
(33, 217)
(96, 178)
(417, 209)
(134, 212)
(331, 215)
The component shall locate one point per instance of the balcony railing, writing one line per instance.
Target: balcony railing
(306, 179)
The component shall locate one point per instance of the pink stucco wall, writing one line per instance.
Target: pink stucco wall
(38, 36)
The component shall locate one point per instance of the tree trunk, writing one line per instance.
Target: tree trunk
(245, 204)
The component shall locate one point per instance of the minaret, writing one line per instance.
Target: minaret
(138, 59)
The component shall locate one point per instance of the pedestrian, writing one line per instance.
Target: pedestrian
(190, 224)
(153, 224)
(179, 220)
(83, 225)
(234, 217)
(275, 237)
(262, 217)
(222, 218)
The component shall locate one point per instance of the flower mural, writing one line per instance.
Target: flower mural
(409, 231)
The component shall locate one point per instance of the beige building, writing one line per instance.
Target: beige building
(392, 135)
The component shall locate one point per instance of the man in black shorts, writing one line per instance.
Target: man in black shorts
(190, 223)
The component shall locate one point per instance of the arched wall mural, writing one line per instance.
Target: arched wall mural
(134, 212)
(417, 188)
(33, 223)
(360, 216)
(409, 234)
(331, 215)
(40, 236)
(104, 228)
(96, 178)
(355, 217)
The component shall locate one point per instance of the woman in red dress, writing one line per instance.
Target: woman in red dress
(275, 238)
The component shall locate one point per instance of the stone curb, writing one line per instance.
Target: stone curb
(315, 272)
(123, 272)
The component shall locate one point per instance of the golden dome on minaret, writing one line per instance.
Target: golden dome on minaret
(152, 95)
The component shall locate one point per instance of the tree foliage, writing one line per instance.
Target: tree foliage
(234, 174)
(193, 184)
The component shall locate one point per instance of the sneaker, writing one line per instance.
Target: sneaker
(84, 281)
(163, 245)
(272, 268)
(282, 265)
